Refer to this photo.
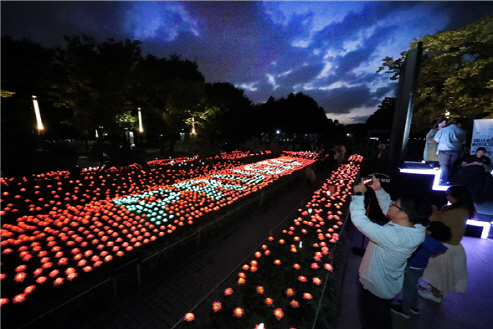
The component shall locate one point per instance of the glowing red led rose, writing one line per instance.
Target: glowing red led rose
(278, 313)
(294, 304)
(189, 317)
(238, 312)
(216, 306)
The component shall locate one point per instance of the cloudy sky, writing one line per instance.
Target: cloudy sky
(329, 50)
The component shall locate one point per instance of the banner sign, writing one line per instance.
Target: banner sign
(482, 136)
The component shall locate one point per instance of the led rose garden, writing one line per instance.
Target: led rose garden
(60, 229)
(284, 283)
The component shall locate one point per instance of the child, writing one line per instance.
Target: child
(436, 233)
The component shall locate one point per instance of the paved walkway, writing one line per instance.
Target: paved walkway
(471, 310)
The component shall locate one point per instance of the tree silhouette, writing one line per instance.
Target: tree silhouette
(455, 74)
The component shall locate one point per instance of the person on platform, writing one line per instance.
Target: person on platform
(473, 172)
(381, 272)
(430, 154)
(448, 272)
(450, 141)
(437, 233)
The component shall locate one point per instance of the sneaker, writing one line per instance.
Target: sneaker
(424, 286)
(398, 309)
(414, 310)
(429, 295)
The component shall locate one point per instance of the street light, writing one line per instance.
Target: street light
(38, 114)
(141, 129)
(193, 126)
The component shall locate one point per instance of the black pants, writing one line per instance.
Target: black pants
(374, 311)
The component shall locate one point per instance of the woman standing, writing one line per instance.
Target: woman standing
(448, 272)
(430, 155)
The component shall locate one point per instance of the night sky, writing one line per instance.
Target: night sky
(329, 50)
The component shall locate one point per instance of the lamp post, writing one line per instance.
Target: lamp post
(141, 128)
(193, 134)
(38, 114)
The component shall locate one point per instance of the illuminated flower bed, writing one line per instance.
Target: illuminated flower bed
(281, 284)
(75, 227)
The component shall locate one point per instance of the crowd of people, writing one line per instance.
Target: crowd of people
(420, 243)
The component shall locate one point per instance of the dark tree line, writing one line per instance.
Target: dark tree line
(88, 84)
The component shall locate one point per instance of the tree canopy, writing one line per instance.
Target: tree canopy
(456, 73)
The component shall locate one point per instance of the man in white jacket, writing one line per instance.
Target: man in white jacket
(382, 268)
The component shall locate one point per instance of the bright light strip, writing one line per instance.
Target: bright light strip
(486, 227)
(38, 114)
(141, 129)
(436, 186)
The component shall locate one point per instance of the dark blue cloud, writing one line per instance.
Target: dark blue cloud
(254, 43)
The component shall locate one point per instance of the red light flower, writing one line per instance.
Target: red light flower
(277, 262)
(289, 292)
(314, 266)
(19, 277)
(238, 312)
(269, 301)
(296, 266)
(19, 298)
(260, 289)
(29, 289)
(3, 301)
(20, 268)
(302, 278)
(317, 281)
(281, 241)
(254, 263)
(58, 281)
(216, 306)
(307, 296)
(241, 281)
(328, 267)
(278, 313)
(294, 304)
(228, 291)
(258, 254)
(246, 267)
(189, 317)
(41, 280)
